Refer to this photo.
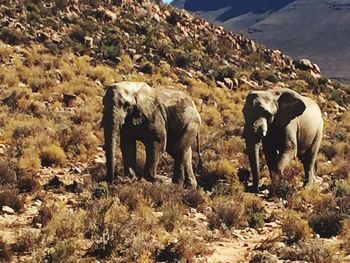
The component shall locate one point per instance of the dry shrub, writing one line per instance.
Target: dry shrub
(52, 154)
(9, 77)
(227, 213)
(10, 198)
(131, 196)
(184, 250)
(263, 257)
(8, 173)
(314, 251)
(28, 184)
(160, 194)
(210, 116)
(326, 223)
(230, 147)
(345, 235)
(62, 251)
(30, 160)
(79, 141)
(299, 200)
(295, 228)
(172, 216)
(45, 215)
(65, 223)
(116, 232)
(5, 251)
(194, 198)
(326, 217)
(26, 241)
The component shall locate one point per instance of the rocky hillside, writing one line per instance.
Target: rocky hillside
(54, 203)
(303, 29)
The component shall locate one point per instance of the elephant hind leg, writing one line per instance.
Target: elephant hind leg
(183, 171)
(153, 152)
(179, 169)
(190, 180)
(309, 160)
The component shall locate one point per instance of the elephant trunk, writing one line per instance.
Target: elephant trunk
(253, 155)
(110, 143)
(109, 125)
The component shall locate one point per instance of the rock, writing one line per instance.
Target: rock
(305, 64)
(221, 84)
(8, 210)
(156, 17)
(89, 42)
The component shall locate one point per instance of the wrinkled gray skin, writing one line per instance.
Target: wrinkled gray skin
(289, 125)
(163, 119)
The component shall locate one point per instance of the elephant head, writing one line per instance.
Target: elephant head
(121, 101)
(265, 112)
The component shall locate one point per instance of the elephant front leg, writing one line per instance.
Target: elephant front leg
(128, 149)
(153, 152)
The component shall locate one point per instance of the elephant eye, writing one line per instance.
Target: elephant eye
(126, 105)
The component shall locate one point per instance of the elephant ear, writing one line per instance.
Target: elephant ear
(249, 105)
(146, 102)
(108, 102)
(290, 106)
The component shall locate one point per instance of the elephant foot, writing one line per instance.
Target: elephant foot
(150, 179)
(190, 184)
(309, 183)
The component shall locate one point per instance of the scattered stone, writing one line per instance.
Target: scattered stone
(8, 210)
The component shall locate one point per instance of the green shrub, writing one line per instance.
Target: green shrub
(342, 188)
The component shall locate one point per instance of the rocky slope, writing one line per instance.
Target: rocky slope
(303, 29)
(55, 206)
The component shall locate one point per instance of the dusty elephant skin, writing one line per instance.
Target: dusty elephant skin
(163, 119)
(289, 125)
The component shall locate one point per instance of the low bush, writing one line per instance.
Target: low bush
(28, 184)
(314, 251)
(172, 216)
(52, 154)
(11, 198)
(8, 173)
(184, 250)
(5, 251)
(193, 198)
(295, 228)
(227, 213)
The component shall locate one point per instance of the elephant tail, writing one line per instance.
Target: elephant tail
(200, 163)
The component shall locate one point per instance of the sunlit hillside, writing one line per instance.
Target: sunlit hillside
(55, 206)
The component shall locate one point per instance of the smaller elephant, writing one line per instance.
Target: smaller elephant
(163, 119)
(289, 125)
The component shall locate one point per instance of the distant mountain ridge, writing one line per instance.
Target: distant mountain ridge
(315, 29)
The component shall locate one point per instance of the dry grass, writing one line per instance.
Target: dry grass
(295, 228)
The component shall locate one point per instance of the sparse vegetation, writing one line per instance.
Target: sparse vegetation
(54, 63)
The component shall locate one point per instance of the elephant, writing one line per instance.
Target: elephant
(289, 125)
(163, 119)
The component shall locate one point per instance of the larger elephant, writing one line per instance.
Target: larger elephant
(288, 124)
(163, 119)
